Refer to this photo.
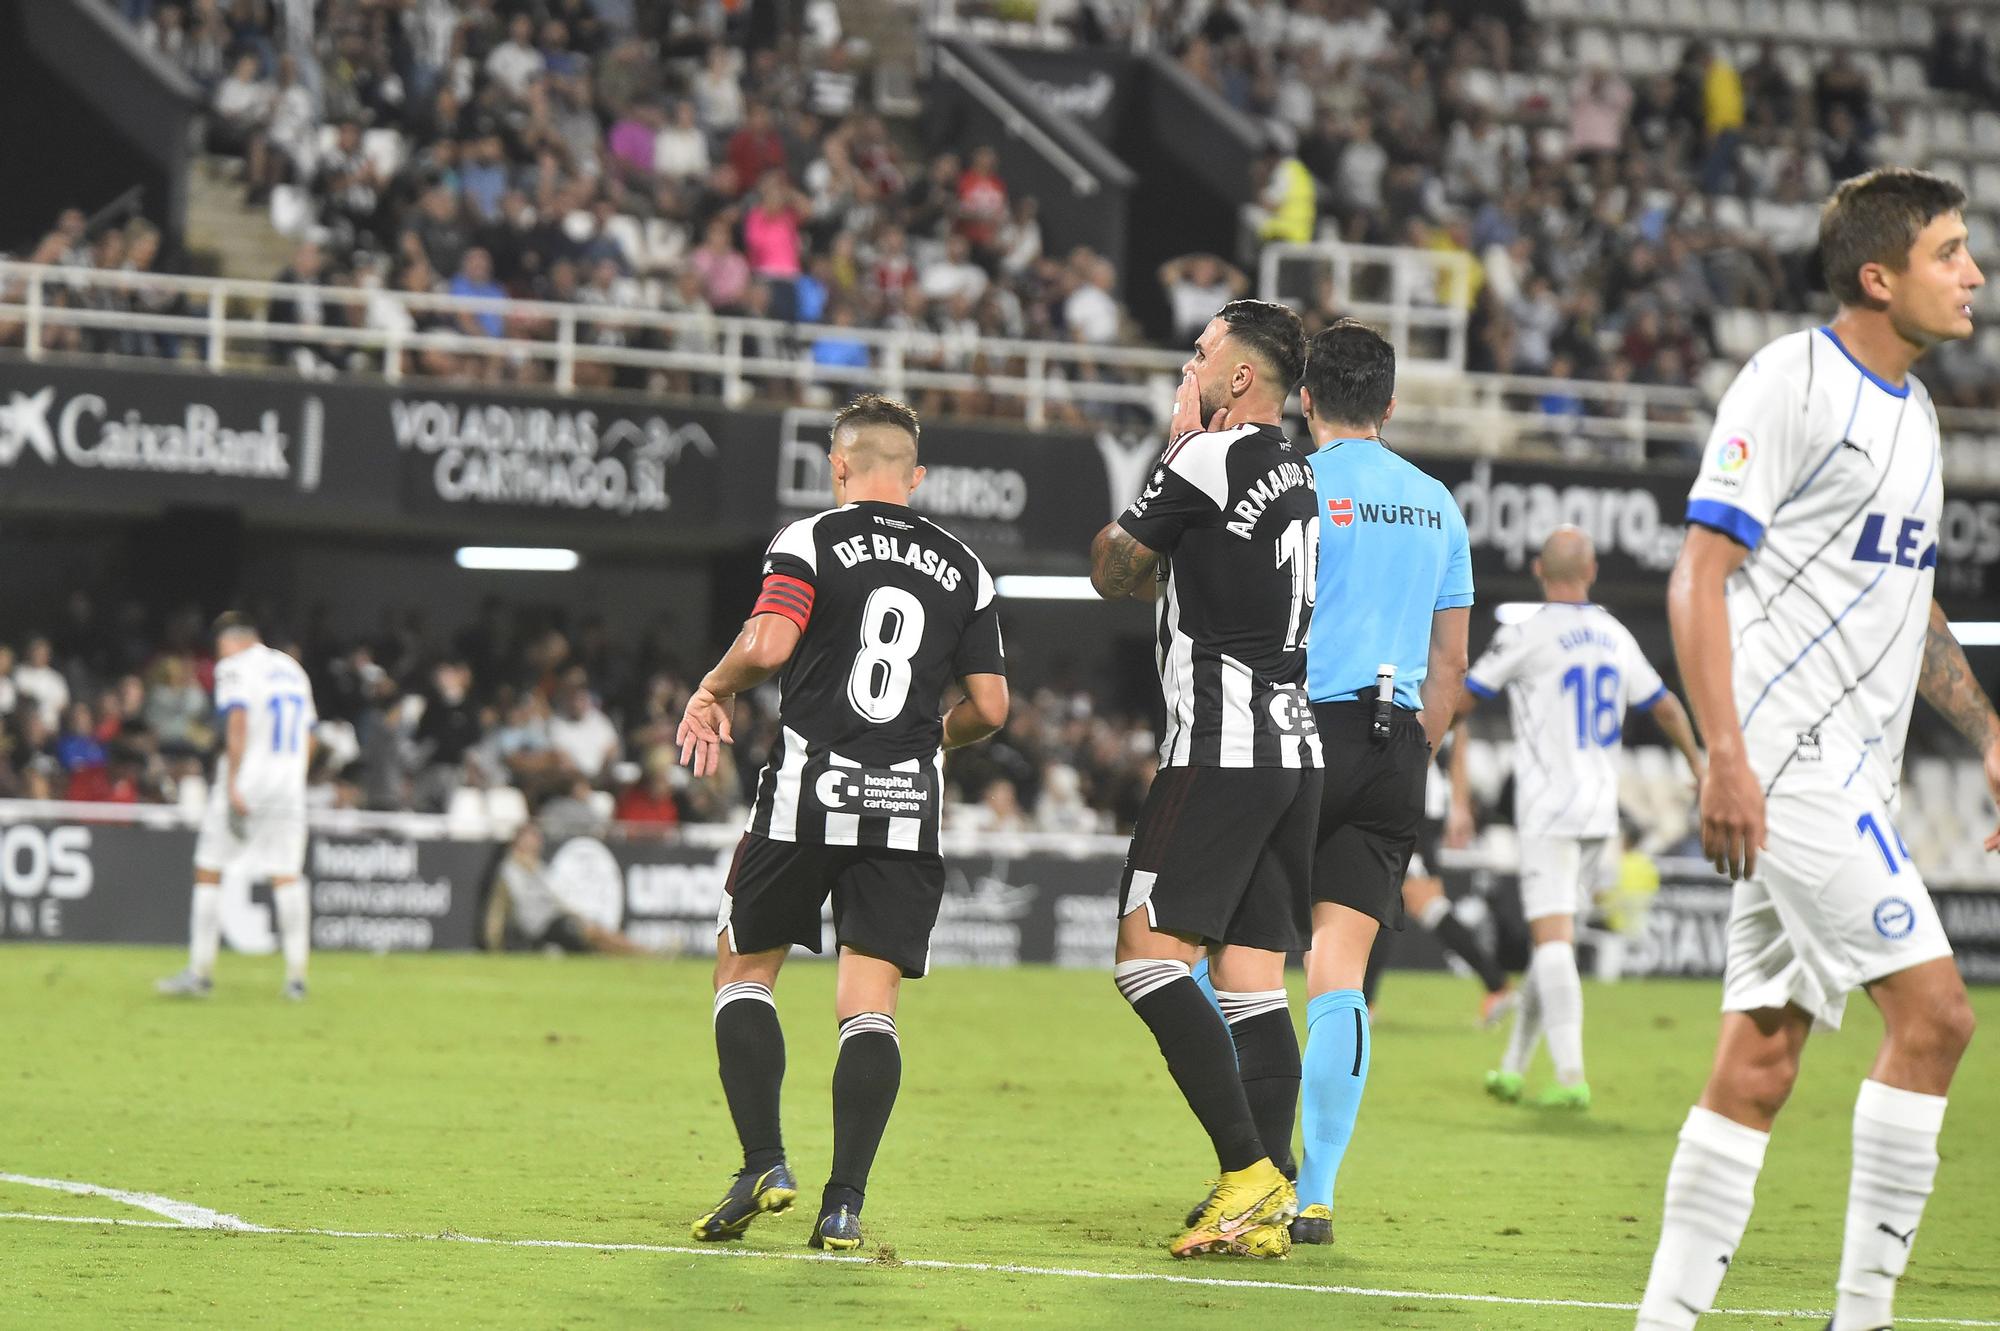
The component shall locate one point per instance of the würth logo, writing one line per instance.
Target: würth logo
(1341, 511)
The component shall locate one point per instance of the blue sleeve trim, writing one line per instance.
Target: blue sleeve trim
(1478, 690)
(1451, 602)
(1731, 521)
(226, 708)
(1654, 701)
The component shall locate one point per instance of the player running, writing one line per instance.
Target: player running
(1224, 535)
(1804, 623)
(1570, 672)
(255, 822)
(870, 611)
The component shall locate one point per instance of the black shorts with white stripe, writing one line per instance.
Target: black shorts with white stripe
(1372, 810)
(885, 902)
(1224, 854)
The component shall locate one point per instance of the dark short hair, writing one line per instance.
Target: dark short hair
(1875, 218)
(232, 621)
(875, 409)
(1272, 333)
(1351, 373)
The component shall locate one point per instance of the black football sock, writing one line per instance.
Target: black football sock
(1267, 1062)
(1199, 1054)
(750, 1051)
(1378, 961)
(866, 1076)
(1451, 932)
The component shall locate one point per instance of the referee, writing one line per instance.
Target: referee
(1385, 662)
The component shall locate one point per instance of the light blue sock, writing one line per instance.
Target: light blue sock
(1335, 1072)
(1207, 986)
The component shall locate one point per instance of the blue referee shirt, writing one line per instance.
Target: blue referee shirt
(1392, 552)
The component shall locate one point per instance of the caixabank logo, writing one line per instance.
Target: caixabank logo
(90, 432)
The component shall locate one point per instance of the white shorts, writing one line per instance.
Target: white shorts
(1835, 904)
(1560, 874)
(272, 844)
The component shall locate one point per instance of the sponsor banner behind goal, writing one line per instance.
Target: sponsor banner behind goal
(1005, 904)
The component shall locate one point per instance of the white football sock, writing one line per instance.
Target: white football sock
(204, 928)
(1711, 1187)
(1527, 1031)
(294, 928)
(1895, 1163)
(1554, 970)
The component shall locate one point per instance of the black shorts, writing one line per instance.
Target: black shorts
(1372, 809)
(885, 902)
(1225, 854)
(565, 932)
(1430, 839)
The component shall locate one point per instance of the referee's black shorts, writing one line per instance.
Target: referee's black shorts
(1225, 854)
(1372, 808)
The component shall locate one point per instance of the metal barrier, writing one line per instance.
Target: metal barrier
(1421, 299)
(226, 328)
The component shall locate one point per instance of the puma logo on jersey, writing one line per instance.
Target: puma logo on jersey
(1906, 548)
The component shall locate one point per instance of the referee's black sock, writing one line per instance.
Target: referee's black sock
(1451, 931)
(750, 1051)
(866, 1077)
(1267, 1062)
(1199, 1054)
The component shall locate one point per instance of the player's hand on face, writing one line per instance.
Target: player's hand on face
(704, 729)
(1187, 407)
(1732, 817)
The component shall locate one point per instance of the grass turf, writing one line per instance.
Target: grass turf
(536, 1098)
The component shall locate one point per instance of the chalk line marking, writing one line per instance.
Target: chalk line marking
(217, 1220)
(187, 1214)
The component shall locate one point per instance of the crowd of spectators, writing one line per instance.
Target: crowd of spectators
(1604, 220)
(685, 158)
(118, 708)
(703, 160)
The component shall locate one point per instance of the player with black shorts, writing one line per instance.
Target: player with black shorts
(1224, 536)
(870, 611)
(1387, 663)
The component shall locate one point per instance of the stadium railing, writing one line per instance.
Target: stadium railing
(225, 329)
(1420, 299)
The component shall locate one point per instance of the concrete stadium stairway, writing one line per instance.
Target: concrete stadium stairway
(225, 236)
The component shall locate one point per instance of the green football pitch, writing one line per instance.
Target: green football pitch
(565, 1113)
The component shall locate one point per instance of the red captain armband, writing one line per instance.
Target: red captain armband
(787, 596)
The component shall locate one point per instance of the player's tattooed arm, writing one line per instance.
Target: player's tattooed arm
(1947, 683)
(1120, 566)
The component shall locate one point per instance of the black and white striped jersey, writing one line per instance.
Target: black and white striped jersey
(891, 609)
(1234, 517)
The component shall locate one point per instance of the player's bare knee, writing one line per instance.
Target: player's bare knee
(1941, 1035)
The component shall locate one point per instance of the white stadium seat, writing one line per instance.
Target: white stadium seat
(1906, 78)
(1639, 53)
(465, 815)
(506, 810)
(1951, 132)
(1985, 133)
(1595, 47)
(1839, 20)
(1914, 24)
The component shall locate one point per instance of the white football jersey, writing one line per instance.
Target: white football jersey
(277, 701)
(1570, 671)
(1830, 477)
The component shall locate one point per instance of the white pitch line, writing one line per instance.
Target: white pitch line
(998, 1268)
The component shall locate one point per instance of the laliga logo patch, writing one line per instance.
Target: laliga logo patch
(1894, 918)
(1340, 512)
